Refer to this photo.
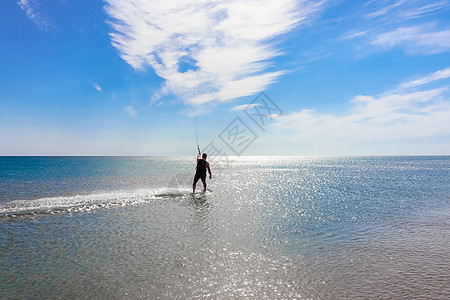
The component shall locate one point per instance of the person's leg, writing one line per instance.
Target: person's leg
(194, 184)
(204, 184)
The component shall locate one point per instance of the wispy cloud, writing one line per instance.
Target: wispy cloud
(244, 106)
(386, 9)
(31, 8)
(401, 24)
(422, 39)
(352, 35)
(441, 74)
(402, 10)
(97, 87)
(390, 117)
(222, 49)
(131, 111)
(426, 9)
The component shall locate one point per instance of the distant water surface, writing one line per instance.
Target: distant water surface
(269, 228)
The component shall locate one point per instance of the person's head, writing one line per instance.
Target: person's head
(204, 155)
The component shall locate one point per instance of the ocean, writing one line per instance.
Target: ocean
(267, 228)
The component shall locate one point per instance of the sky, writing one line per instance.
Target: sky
(256, 77)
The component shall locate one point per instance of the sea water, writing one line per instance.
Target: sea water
(269, 228)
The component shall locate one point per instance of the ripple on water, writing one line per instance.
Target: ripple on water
(314, 229)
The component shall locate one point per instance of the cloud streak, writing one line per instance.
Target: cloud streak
(31, 8)
(386, 9)
(221, 49)
(408, 25)
(403, 10)
(244, 106)
(438, 75)
(422, 39)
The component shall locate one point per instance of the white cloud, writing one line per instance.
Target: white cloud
(353, 35)
(388, 24)
(421, 39)
(403, 10)
(386, 9)
(245, 106)
(441, 74)
(386, 119)
(97, 87)
(224, 46)
(427, 8)
(31, 8)
(131, 111)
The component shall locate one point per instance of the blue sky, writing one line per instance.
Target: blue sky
(138, 77)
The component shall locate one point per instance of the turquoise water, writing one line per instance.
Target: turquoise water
(272, 227)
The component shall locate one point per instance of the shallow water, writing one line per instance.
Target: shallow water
(314, 228)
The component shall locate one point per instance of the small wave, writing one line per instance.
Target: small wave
(88, 202)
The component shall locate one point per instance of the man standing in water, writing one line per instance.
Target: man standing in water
(202, 166)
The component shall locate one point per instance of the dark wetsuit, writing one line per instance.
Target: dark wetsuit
(201, 170)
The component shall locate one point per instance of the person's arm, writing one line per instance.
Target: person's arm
(209, 170)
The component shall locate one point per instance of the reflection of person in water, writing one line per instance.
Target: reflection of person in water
(200, 173)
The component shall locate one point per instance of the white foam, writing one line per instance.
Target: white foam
(89, 201)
